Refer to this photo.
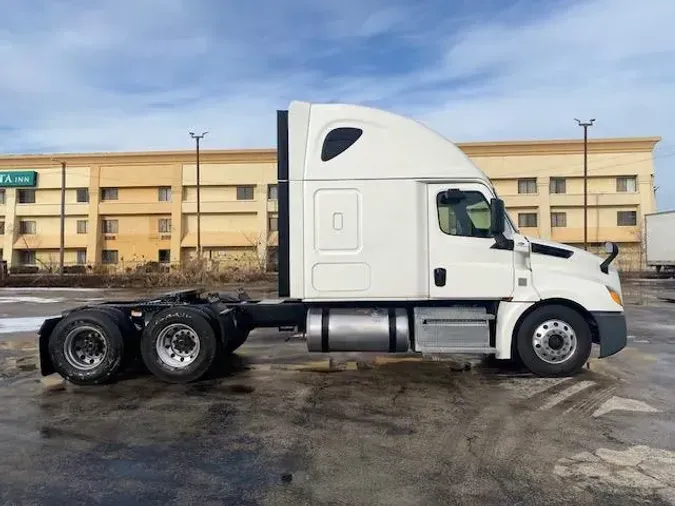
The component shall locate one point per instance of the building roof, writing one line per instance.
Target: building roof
(268, 155)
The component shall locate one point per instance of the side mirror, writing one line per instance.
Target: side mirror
(497, 217)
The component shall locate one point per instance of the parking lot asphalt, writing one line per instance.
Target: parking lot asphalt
(279, 427)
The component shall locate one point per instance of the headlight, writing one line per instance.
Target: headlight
(615, 296)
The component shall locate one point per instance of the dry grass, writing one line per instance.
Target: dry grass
(148, 275)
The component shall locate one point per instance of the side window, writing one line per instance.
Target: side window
(465, 214)
(339, 140)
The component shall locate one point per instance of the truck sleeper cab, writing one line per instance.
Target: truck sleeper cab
(390, 240)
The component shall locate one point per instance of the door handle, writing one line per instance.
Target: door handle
(439, 276)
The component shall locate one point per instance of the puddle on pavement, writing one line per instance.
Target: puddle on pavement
(239, 471)
(217, 387)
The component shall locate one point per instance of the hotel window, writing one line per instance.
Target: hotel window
(164, 194)
(245, 192)
(27, 227)
(109, 194)
(164, 256)
(2, 228)
(26, 196)
(558, 219)
(83, 194)
(110, 226)
(2, 196)
(527, 220)
(558, 185)
(626, 218)
(626, 184)
(528, 185)
(109, 256)
(273, 192)
(273, 224)
(81, 256)
(82, 226)
(27, 257)
(164, 225)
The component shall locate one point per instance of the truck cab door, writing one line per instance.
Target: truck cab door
(464, 260)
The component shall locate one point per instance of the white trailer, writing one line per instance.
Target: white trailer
(390, 240)
(659, 244)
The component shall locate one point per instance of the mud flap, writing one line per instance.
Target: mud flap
(45, 332)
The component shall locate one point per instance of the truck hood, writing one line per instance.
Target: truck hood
(550, 255)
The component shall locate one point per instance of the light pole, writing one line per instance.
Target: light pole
(585, 126)
(62, 224)
(197, 138)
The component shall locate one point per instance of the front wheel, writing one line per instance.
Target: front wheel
(179, 345)
(554, 341)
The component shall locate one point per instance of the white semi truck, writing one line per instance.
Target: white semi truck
(390, 240)
(659, 244)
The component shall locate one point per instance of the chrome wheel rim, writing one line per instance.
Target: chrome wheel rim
(178, 345)
(554, 341)
(85, 347)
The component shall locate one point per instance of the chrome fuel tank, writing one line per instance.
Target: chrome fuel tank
(357, 329)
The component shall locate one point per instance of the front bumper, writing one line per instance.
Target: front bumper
(612, 332)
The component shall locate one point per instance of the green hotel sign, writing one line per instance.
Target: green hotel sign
(16, 178)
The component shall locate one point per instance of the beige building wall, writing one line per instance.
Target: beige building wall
(142, 207)
(620, 189)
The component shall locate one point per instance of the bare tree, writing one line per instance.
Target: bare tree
(639, 238)
(261, 243)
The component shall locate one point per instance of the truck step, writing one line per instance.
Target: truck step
(455, 329)
(469, 351)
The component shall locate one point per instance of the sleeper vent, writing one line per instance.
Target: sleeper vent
(338, 141)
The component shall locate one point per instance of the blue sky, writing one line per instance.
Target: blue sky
(138, 74)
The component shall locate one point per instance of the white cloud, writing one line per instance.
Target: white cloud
(139, 74)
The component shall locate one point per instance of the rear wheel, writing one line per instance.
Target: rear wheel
(87, 347)
(179, 345)
(554, 341)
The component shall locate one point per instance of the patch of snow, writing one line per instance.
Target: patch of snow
(621, 403)
(23, 324)
(48, 289)
(29, 300)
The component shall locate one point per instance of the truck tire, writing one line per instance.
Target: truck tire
(87, 347)
(131, 335)
(554, 341)
(180, 344)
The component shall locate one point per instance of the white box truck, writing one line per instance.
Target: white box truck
(390, 240)
(659, 244)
